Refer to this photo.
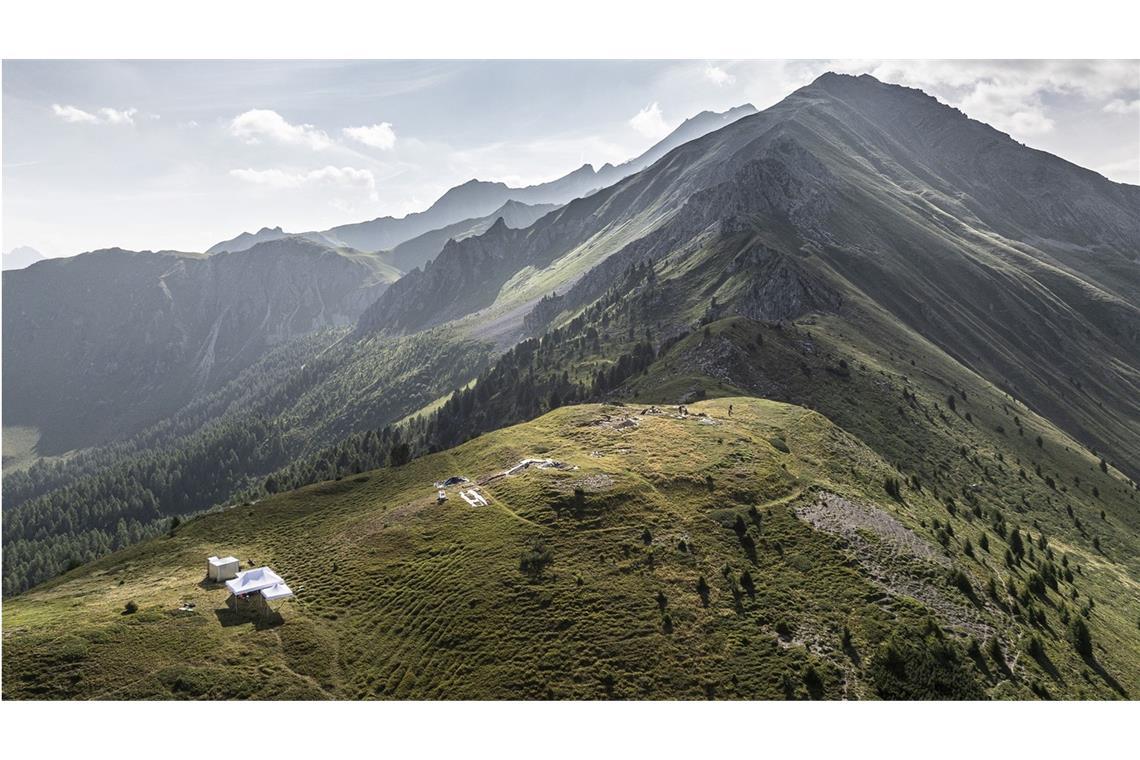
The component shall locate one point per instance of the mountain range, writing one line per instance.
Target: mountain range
(839, 398)
(478, 199)
(20, 257)
(99, 345)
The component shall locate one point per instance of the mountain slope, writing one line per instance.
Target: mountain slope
(749, 553)
(416, 252)
(690, 129)
(877, 191)
(477, 198)
(844, 251)
(99, 345)
(247, 240)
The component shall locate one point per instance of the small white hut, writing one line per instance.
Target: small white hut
(222, 569)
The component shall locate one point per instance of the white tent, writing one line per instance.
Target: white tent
(260, 579)
(276, 593)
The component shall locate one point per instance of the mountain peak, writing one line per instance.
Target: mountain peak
(832, 78)
(21, 257)
(583, 169)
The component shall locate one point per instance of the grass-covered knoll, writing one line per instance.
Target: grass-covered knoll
(683, 558)
(987, 462)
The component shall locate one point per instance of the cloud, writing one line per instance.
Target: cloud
(111, 116)
(261, 124)
(74, 115)
(719, 76)
(650, 122)
(1010, 104)
(1127, 170)
(1119, 106)
(380, 135)
(336, 176)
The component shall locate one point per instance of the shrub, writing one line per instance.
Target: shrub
(535, 559)
(1081, 637)
(912, 664)
(703, 590)
(1015, 544)
(130, 608)
(813, 680)
(961, 581)
(747, 582)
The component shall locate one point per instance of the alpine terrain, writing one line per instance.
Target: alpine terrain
(835, 400)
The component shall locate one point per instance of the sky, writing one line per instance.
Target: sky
(182, 154)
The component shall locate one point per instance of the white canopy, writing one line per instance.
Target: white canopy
(274, 593)
(253, 580)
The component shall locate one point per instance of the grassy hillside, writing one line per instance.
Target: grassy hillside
(755, 555)
(301, 396)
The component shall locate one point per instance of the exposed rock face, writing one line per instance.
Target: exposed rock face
(415, 253)
(786, 187)
(780, 288)
(103, 342)
(893, 556)
(463, 278)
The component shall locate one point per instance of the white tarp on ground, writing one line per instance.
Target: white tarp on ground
(474, 498)
(253, 580)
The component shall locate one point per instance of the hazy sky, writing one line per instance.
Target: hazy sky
(178, 154)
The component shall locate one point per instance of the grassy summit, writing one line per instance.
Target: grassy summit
(755, 555)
